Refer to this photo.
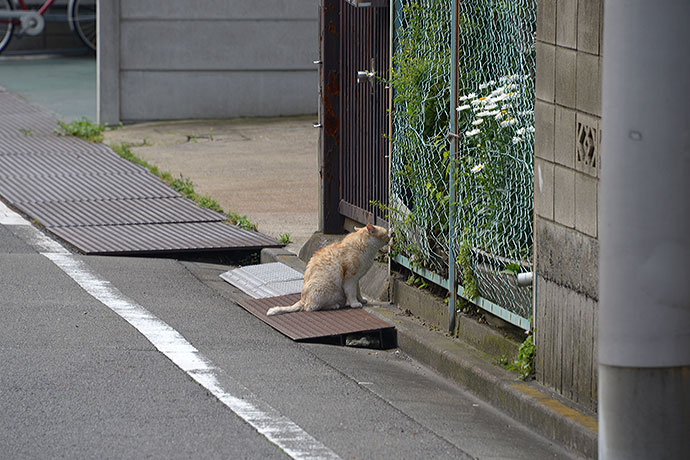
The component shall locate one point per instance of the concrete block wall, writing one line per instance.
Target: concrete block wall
(566, 195)
(175, 59)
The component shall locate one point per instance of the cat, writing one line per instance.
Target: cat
(331, 279)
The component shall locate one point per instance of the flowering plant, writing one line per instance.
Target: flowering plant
(496, 126)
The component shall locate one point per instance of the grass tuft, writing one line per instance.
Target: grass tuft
(82, 128)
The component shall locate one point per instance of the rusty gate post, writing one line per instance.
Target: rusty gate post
(330, 220)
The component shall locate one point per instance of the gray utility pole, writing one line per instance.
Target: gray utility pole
(644, 319)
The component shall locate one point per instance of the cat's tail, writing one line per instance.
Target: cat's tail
(297, 306)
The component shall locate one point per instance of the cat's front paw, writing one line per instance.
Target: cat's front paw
(356, 305)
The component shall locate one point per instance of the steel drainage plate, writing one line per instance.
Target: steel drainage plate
(335, 325)
(265, 280)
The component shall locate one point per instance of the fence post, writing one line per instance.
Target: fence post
(452, 274)
(330, 220)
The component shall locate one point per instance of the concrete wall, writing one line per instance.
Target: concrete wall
(176, 59)
(566, 195)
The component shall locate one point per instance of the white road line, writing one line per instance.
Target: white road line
(277, 428)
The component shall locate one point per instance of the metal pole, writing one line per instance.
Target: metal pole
(644, 319)
(452, 275)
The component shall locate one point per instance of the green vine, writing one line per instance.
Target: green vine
(524, 364)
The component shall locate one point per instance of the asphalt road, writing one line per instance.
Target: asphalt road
(78, 381)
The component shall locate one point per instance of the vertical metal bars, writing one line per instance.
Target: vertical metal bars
(364, 51)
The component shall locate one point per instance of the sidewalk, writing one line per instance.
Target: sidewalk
(266, 169)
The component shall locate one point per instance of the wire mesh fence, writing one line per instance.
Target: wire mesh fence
(473, 204)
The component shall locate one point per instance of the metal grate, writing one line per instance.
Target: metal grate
(64, 188)
(162, 238)
(53, 144)
(65, 164)
(107, 212)
(316, 324)
(364, 47)
(96, 201)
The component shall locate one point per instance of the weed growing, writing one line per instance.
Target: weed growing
(82, 128)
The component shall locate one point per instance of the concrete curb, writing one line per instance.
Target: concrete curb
(527, 402)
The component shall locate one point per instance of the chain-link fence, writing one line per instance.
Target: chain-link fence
(471, 200)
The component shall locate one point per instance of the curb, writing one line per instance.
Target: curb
(527, 402)
(548, 414)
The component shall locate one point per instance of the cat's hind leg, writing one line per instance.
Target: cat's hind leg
(350, 288)
(360, 297)
(325, 307)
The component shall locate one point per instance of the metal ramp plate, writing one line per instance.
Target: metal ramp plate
(327, 325)
(97, 201)
(265, 280)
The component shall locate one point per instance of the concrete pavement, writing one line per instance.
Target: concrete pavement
(263, 168)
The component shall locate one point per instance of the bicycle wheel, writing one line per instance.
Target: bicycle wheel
(6, 25)
(82, 20)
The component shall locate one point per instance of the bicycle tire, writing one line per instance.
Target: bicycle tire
(82, 20)
(6, 27)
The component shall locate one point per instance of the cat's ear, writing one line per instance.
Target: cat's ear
(370, 228)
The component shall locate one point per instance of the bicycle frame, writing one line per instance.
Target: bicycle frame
(30, 21)
(47, 4)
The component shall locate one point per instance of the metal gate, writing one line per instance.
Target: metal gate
(364, 52)
(355, 61)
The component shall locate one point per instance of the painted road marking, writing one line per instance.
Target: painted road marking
(277, 428)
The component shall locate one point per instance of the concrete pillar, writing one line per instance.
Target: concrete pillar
(644, 320)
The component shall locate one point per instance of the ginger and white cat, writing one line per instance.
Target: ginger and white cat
(331, 279)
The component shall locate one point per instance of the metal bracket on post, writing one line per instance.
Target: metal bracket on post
(31, 23)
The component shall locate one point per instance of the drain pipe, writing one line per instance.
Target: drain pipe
(644, 318)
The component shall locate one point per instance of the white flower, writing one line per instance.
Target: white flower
(490, 106)
(474, 132)
(477, 168)
(501, 97)
(516, 139)
(521, 131)
(484, 114)
(530, 129)
(468, 96)
(509, 122)
(463, 107)
(481, 100)
(478, 122)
